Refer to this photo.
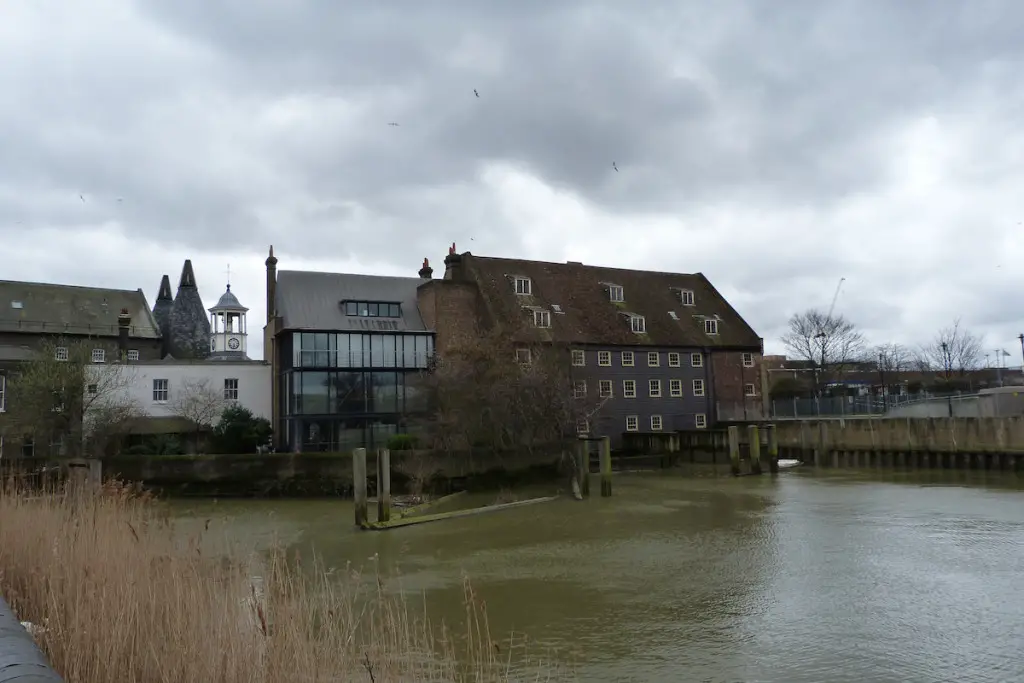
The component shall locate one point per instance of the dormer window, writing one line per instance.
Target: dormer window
(524, 286)
(686, 297)
(541, 318)
(638, 324)
(373, 309)
(616, 294)
(710, 326)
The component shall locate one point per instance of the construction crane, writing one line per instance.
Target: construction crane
(835, 297)
(822, 336)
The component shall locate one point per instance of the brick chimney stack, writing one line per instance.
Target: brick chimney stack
(124, 321)
(271, 264)
(453, 264)
(426, 272)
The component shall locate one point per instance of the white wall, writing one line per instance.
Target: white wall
(134, 382)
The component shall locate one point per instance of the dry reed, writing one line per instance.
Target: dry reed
(123, 598)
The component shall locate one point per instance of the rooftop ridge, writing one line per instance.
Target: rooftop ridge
(578, 264)
(56, 284)
(323, 272)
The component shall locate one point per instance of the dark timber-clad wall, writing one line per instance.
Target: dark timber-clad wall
(676, 412)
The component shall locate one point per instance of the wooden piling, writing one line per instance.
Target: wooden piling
(773, 449)
(583, 468)
(606, 467)
(755, 449)
(359, 485)
(383, 485)
(734, 449)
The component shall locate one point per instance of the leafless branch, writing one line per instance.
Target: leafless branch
(61, 395)
(198, 402)
(832, 343)
(485, 396)
(952, 350)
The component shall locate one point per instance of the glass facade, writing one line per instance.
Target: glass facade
(351, 390)
(358, 350)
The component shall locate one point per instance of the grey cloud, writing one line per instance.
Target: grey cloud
(766, 106)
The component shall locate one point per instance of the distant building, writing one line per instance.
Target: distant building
(111, 321)
(342, 348)
(223, 375)
(666, 349)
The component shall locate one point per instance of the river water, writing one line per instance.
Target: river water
(801, 577)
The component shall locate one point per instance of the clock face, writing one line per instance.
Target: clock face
(233, 343)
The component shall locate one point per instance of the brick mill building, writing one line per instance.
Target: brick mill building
(666, 350)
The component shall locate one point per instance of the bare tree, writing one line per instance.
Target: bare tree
(491, 394)
(953, 350)
(894, 358)
(419, 466)
(199, 403)
(831, 342)
(62, 399)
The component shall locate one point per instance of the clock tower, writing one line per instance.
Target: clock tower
(228, 330)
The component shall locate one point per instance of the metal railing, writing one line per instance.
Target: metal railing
(842, 406)
(738, 411)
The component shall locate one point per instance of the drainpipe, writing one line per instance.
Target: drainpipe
(21, 660)
(710, 391)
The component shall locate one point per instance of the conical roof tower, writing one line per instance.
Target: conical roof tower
(190, 328)
(162, 314)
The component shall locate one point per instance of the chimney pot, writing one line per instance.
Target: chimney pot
(426, 272)
(453, 264)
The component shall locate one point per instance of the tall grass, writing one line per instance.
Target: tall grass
(122, 597)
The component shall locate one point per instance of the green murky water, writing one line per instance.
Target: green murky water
(802, 577)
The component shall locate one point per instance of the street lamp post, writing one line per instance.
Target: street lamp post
(946, 368)
(1021, 338)
(821, 337)
(881, 377)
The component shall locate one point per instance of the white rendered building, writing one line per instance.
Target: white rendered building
(185, 389)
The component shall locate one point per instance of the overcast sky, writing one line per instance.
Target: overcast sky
(773, 146)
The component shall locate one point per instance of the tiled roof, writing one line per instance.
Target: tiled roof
(312, 301)
(588, 316)
(41, 308)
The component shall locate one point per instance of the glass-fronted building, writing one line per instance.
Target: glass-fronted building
(347, 378)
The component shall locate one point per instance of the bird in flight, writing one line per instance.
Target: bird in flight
(615, 167)
(82, 198)
(392, 124)
(475, 92)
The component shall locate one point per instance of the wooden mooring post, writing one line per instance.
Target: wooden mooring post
(383, 485)
(359, 485)
(734, 449)
(773, 449)
(606, 467)
(755, 449)
(583, 467)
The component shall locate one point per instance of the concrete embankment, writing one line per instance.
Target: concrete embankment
(946, 443)
(317, 474)
(21, 660)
